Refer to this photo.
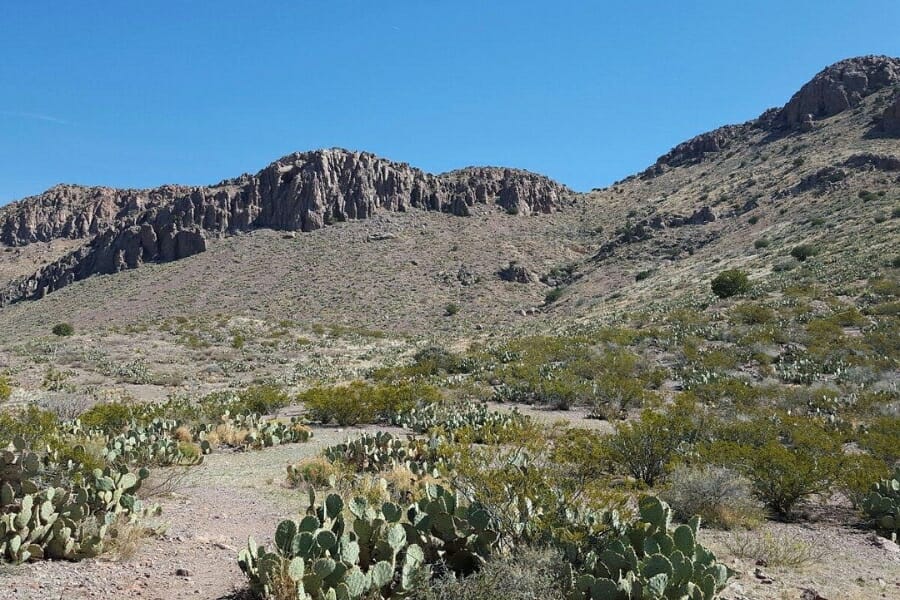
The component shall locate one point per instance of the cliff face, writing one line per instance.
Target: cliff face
(300, 192)
(838, 87)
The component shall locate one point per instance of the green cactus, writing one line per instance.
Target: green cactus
(882, 506)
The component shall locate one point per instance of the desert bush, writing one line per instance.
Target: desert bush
(855, 480)
(720, 496)
(553, 295)
(804, 251)
(5, 388)
(109, 417)
(645, 448)
(451, 309)
(752, 314)
(63, 329)
(361, 402)
(530, 574)
(775, 550)
(761, 243)
(730, 283)
(261, 399)
(788, 459)
(37, 427)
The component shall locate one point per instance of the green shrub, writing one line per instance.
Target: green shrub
(788, 459)
(645, 448)
(553, 295)
(642, 275)
(451, 309)
(361, 402)
(804, 251)
(36, 426)
(753, 220)
(5, 388)
(237, 341)
(110, 417)
(262, 399)
(63, 329)
(761, 243)
(730, 283)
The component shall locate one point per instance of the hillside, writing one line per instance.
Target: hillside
(549, 355)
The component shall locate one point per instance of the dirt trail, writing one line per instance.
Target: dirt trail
(224, 500)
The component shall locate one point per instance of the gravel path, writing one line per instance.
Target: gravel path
(228, 498)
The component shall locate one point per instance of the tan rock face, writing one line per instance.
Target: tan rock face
(300, 192)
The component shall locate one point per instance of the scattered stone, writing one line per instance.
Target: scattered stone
(379, 237)
(517, 273)
(762, 577)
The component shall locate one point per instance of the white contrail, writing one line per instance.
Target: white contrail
(36, 116)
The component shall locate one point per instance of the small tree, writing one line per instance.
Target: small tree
(63, 329)
(730, 283)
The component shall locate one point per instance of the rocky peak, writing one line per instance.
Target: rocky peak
(838, 87)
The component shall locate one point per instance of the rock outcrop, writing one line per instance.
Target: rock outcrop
(300, 192)
(890, 119)
(836, 88)
(696, 149)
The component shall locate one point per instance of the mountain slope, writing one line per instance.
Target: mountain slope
(300, 192)
(821, 170)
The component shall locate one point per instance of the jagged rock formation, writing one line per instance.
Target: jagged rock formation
(890, 119)
(695, 149)
(300, 192)
(836, 88)
(74, 211)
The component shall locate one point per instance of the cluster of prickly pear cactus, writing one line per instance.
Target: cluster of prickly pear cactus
(40, 520)
(450, 418)
(648, 559)
(882, 505)
(379, 552)
(374, 452)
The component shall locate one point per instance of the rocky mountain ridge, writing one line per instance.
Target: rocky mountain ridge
(836, 88)
(299, 192)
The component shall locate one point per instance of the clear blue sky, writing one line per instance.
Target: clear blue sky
(136, 94)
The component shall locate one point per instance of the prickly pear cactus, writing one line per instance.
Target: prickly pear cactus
(882, 505)
(379, 552)
(649, 559)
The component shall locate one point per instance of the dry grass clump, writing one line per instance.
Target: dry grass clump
(227, 434)
(125, 537)
(183, 434)
(774, 549)
(722, 497)
(316, 471)
(533, 573)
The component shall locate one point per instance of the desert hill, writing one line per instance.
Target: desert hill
(385, 246)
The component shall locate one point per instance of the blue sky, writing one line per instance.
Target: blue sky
(136, 94)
